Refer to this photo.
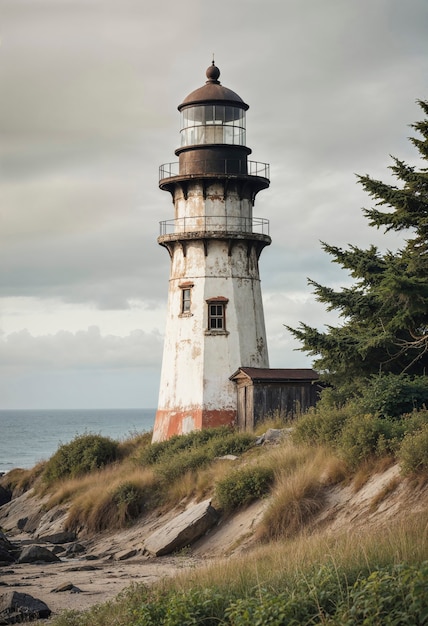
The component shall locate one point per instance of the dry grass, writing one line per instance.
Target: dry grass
(275, 420)
(198, 484)
(20, 480)
(389, 488)
(129, 448)
(268, 566)
(367, 469)
(299, 494)
(126, 497)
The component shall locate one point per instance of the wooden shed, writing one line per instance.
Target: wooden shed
(263, 393)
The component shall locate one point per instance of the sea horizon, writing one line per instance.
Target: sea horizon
(29, 436)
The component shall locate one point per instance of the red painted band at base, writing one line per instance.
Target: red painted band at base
(170, 422)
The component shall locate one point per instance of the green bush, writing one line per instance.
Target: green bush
(83, 454)
(389, 597)
(365, 436)
(243, 485)
(196, 439)
(231, 443)
(413, 452)
(182, 453)
(184, 461)
(393, 395)
(129, 499)
(321, 426)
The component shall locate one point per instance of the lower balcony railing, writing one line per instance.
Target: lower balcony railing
(215, 223)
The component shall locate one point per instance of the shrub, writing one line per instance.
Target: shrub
(392, 395)
(365, 436)
(128, 497)
(321, 426)
(231, 443)
(83, 454)
(183, 453)
(389, 596)
(196, 439)
(243, 485)
(309, 601)
(413, 452)
(174, 467)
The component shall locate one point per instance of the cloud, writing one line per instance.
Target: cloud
(88, 113)
(81, 350)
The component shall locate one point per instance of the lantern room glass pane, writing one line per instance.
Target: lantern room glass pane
(197, 121)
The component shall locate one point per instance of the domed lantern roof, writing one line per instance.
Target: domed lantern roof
(213, 92)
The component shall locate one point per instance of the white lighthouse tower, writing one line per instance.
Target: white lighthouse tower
(215, 320)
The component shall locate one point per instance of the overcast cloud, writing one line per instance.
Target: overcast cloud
(89, 90)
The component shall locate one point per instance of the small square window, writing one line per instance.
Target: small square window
(216, 316)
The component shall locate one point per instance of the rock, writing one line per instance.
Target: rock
(58, 538)
(32, 522)
(19, 607)
(37, 554)
(183, 529)
(58, 549)
(7, 551)
(125, 554)
(5, 495)
(62, 588)
(66, 587)
(273, 436)
(83, 568)
(74, 549)
(228, 457)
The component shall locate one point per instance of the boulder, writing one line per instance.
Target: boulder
(7, 550)
(273, 436)
(37, 554)
(66, 587)
(58, 538)
(183, 529)
(74, 549)
(125, 554)
(21, 607)
(5, 495)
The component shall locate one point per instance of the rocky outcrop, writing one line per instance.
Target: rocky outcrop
(5, 495)
(8, 552)
(18, 607)
(183, 530)
(37, 554)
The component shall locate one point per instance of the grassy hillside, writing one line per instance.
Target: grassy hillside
(298, 571)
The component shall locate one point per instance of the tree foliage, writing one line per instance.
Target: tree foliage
(385, 321)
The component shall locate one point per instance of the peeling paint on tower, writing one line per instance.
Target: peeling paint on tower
(215, 322)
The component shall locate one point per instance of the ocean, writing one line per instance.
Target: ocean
(27, 437)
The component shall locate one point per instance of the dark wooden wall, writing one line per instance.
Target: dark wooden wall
(286, 399)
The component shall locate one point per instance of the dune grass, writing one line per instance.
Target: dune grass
(296, 570)
(316, 568)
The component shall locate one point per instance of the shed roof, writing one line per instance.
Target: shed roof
(259, 374)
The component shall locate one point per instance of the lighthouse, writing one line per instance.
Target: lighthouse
(215, 321)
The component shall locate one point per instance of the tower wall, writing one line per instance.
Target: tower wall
(215, 321)
(195, 390)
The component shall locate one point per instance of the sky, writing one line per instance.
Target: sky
(88, 112)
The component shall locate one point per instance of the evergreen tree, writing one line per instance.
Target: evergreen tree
(385, 313)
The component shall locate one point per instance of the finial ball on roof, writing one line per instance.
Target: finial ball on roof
(213, 73)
